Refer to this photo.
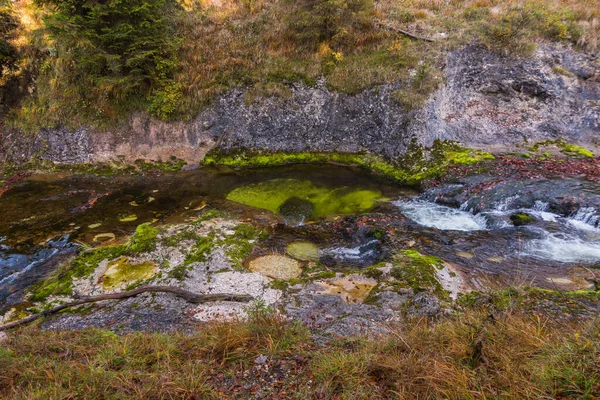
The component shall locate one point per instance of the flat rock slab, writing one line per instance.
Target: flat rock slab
(276, 267)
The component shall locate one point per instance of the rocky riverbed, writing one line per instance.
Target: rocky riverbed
(338, 249)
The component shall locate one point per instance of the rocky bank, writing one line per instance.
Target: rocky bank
(488, 101)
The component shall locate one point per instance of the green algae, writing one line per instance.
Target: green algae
(61, 282)
(418, 164)
(121, 271)
(565, 148)
(521, 219)
(304, 251)
(271, 195)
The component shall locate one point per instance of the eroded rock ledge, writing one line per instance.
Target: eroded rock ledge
(488, 102)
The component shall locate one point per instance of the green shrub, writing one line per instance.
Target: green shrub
(517, 29)
(8, 27)
(115, 53)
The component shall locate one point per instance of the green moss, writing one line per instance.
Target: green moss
(418, 271)
(144, 239)
(521, 219)
(271, 195)
(240, 244)
(279, 285)
(174, 240)
(572, 149)
(174, 164)
(418, 164)
(122, 271)
(203, 247)
(61, 282)
(565, 148)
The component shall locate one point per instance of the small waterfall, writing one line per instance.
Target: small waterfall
(541, 206)
(441, 217)
(563, 248)
(504, 204)
(365, 250)
(586, 215)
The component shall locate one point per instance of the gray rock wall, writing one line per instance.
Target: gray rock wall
(488, 101)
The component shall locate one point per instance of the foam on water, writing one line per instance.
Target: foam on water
(568, 239)
(441, 217)
(563, 248)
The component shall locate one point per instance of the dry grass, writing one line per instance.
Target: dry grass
(477, 354)
(248, 43)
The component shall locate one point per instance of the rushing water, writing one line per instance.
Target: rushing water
(441, 217)
(46, 217)
(571, 239)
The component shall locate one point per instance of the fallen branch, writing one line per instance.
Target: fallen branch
(190, 297)
(401, 31)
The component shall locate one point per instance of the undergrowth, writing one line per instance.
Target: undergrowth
(70, 74)
(473, 355)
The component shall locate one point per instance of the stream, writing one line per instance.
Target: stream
(46, 218)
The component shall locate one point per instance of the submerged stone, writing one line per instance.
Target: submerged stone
(104, 237)
(276, 266)
(128, 218)
(274, 195)
(295, 210)
(121, 272)
(304, 251)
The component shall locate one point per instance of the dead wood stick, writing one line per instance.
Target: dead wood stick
(190, 297)
(401, 31)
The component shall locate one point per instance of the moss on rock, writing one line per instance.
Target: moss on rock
(273, 195)
(121, 272)
(418, 164)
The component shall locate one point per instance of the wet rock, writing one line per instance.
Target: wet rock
(363, 255)
(276, 267)
(425, 304)
(121, 272)
(521, 219)
(296, 210)
(305, 251)
(353, 288)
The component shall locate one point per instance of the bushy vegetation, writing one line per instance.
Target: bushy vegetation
(95, 62)
(476, 354)
(106, 58)
(8, 27)
(319, 21)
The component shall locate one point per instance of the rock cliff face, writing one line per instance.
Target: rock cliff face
(488, 101)
(495, 102)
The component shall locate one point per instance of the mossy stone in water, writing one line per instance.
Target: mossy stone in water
(304, 251)
(521, 219)
(273, 194)
(295, 210)
(121, 271)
